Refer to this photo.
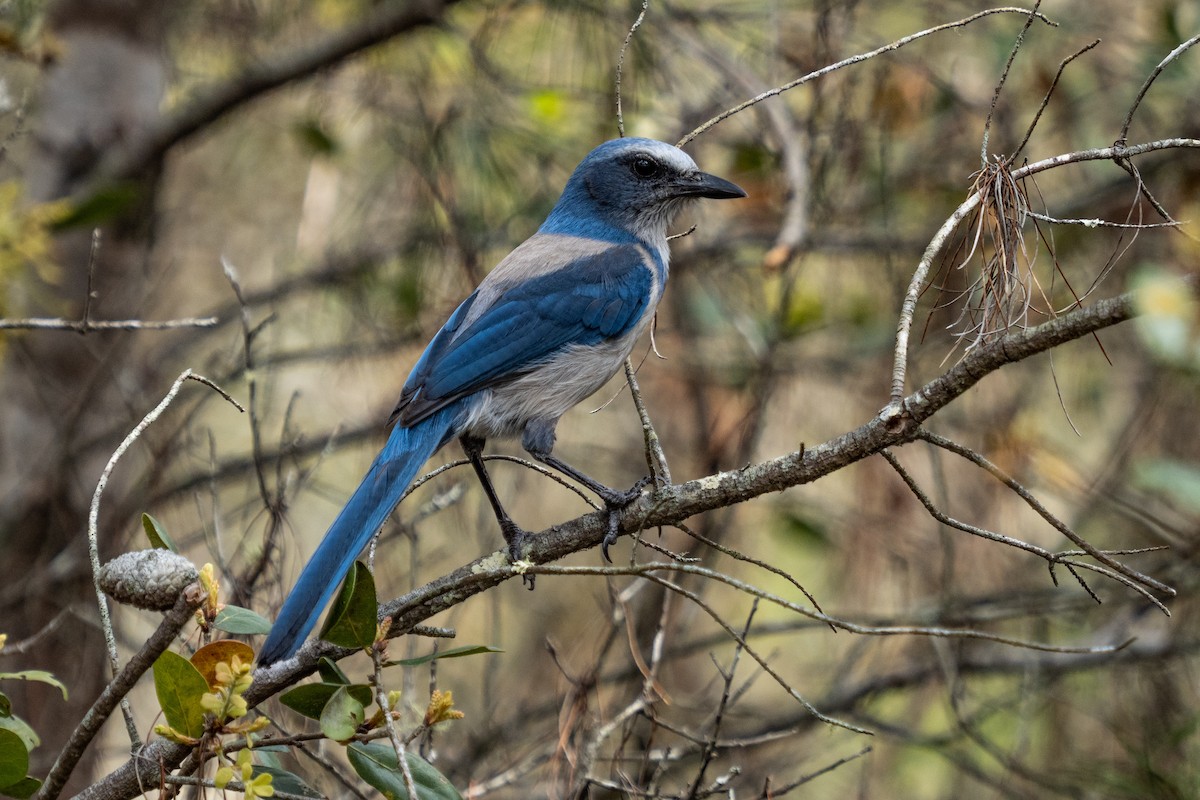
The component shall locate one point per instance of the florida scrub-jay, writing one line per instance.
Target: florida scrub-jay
(545, 329)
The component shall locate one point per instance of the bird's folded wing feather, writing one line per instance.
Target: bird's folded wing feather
(588, 300)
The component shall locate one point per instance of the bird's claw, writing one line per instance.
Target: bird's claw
(614, 530)
(616, 502)
(514, 536)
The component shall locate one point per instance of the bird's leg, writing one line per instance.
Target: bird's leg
(514, 535)
(538, 441)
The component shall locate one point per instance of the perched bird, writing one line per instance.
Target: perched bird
(545, 329)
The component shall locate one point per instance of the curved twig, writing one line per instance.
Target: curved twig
(846, 62)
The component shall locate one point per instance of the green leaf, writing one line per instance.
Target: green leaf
(285, 781)
(5, 705)
(456, 652)
(235, 619)
(21, 728)
(14, 758)
(342, 715)
(39, 675)
(310, 699)
(101, 206)
(21, 789)
(354, 618)
(378, 766)
(330, 672)
(157, 534)
(179, 686)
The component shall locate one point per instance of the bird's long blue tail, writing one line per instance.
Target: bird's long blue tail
(393, 470)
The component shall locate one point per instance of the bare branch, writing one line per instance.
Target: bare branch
(637, 23)
(1060, 526)
(1050, 93)
(846, 62)
(1012, 56)
(93, 531)
(1137, 101)
(656, 459)
(86, 325)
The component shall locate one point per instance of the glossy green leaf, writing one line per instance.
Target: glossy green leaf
(354, 618)
(342, 715)
(456, 652)
(378, 766)
(179, 686)
(243, 621)
(21, 789)
(22, 729)
(39, 675)
(310, 699)
(157, 534)
(330, 672)
(285, 781)
(5, 705)
(14, 758)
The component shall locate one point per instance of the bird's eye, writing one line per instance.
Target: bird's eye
(645, 167)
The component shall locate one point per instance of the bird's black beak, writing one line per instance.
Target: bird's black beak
(701, 184)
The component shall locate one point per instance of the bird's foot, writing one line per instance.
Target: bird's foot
(514, 536)
(616, 502)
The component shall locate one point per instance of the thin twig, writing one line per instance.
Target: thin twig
(1051, 558)
(1101, 223)
(1174, 54)
(93, 253)
(390, 724)
(846, 62)
(649, 570)
(762, 662)
(740, 556)
(656, 459)
(87, 326)
(637, 23)
(29, 642)
(1012, 56)
(1046, 98)
(710, 744)
(771, 792)
(1060, 526)
(93, 529)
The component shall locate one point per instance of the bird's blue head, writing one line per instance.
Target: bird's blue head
(632, 188)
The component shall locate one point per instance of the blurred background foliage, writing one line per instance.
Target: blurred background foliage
(360, 203)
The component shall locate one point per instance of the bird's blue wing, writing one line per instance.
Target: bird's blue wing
(587, 301)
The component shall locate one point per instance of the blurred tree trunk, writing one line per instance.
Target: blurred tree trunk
(68, 397)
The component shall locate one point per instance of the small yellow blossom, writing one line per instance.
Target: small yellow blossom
(441, 708)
